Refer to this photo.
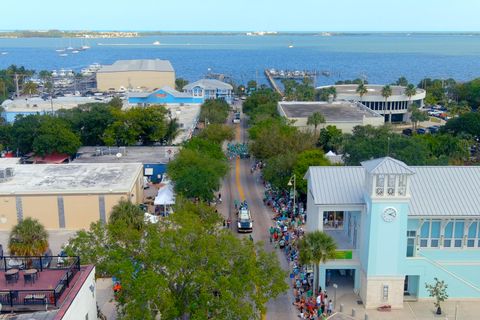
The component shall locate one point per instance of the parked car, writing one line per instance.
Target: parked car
(433, 129)
(407, 132)
(421, 131)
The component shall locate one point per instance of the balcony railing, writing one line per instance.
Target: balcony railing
(39, 296)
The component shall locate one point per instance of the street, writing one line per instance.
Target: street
(240, 184)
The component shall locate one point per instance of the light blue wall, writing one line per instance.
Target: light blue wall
(365, 236)
(426, 270)
(387, 245)
(153, 98)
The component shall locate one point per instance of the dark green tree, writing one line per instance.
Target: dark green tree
(180, 83)
(305, 160)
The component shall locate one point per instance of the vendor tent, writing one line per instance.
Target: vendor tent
(165, 196)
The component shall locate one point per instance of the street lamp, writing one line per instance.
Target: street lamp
(294, 179)
(335, 286)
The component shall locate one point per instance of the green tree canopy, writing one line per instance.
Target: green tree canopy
(273, 137)
(468, 123)
(315, 119)
(305, 160)
(55, 136)
(184, 267)
(214, 111)
(196, 175)
(28, 238)
(331, 139)
(217, 133)
(416, 115)
(361, 90)
(180, 83)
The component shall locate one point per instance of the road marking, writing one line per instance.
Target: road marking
(237, 168)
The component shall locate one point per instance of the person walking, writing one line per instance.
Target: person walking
(271, 231)
(330, 307)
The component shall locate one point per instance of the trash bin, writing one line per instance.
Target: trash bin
(354, 312)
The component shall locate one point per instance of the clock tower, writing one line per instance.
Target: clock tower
(384, 225)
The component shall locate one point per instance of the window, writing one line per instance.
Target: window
(473, 235)
(435, 233)
(459, 229)
(380, 185)
(391, 185)
(448, 233)
(402, 185)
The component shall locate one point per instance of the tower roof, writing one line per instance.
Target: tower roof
(386, 165)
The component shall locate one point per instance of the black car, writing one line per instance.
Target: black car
(421, 131)
(407, 132)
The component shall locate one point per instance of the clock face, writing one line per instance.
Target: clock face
(389, 214)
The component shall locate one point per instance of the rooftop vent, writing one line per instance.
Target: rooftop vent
(6, 174)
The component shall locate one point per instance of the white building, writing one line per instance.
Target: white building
(396, 105)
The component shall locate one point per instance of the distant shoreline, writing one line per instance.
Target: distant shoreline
(136, 34)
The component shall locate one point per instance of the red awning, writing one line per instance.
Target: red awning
(54, 158)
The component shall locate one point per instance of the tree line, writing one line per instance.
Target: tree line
(91, 124)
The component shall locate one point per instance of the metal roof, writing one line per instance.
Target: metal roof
(335, 111)
(337, 185)
(434, 190)
(208, 84)
(167, 89)
(138, 65)
(386, 165)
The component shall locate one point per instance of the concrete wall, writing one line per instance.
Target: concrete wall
(148, 80)
(85, 302)
(79, 210)
(345, 126)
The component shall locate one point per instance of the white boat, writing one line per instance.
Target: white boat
(62, 73)
(85, 47)
(70, 48)
(75, 51)
(60, 50)
(63, 54)
(156, 43)
(290, 46)
(4, 53)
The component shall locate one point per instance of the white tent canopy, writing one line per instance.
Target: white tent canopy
(165, 196)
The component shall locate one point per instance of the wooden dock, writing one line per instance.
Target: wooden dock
(272, 81)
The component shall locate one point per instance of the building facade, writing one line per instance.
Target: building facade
(163, 96)
(397, 227)
(344, 115)
(124, 75)
(210, 89)
(66, 196)
(395, 106)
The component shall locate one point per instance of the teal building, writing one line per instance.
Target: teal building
(397, 227)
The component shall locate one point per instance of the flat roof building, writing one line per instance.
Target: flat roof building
(396, 105)
(342, 114)
(37, 105)
(66, 196)
(125, 75)
(397, 227)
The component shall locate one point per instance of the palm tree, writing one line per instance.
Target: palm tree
(30, 88)
(386, 93)
(315, 119)
(315, 248)
(28, 238)
(333, 92)
(362, 90)
(410, 91)
(128, 213)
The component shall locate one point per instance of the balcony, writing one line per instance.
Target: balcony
(36, 283)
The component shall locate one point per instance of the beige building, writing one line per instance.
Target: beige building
(145, 75)
(342, 114)
(66, 196)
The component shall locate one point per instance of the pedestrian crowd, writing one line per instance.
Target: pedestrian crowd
(284, 234)
(237, 150)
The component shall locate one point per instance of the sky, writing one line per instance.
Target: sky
(243, 15)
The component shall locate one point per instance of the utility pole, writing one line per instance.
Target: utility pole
(17, 93)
